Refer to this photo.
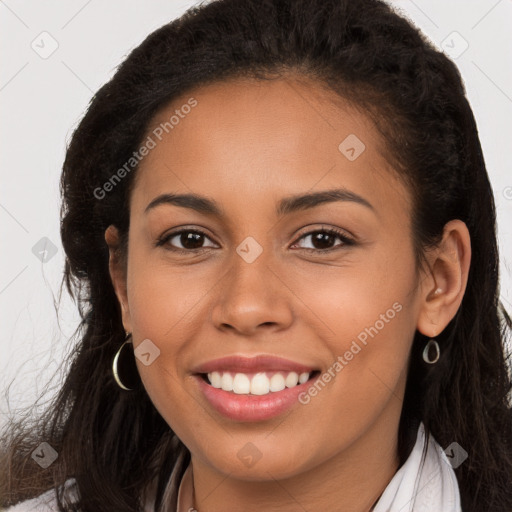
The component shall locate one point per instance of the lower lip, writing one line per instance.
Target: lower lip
(252, 407)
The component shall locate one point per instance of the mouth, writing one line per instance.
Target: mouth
(253, 388)
(257, 383)
(254, 397)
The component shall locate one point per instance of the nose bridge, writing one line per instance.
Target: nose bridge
(251, 294)
(250, 268)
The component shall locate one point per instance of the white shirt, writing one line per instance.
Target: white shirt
(413, 488)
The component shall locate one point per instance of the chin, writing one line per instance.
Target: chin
(252, 464)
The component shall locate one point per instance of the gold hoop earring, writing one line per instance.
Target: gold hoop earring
(115, 371)
(432, 344)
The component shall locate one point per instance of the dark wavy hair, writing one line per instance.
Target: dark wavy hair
(115, 442)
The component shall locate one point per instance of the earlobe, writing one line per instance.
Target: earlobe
(118, 273)
(443, 290)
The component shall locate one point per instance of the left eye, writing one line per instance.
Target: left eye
(322, 238)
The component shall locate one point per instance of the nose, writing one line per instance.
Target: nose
(251, 297)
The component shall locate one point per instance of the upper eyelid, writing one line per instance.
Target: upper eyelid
(185, 229)
(336, 231)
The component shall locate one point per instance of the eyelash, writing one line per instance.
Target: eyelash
(331, 231)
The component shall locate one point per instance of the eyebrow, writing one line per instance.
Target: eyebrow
(287, 205)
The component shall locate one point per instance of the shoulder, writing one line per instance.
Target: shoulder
(46, 502)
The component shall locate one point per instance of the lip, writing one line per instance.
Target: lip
(244, 364)
(250, 408)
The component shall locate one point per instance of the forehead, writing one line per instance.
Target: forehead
(262, 139)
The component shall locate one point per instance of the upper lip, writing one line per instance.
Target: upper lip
(244, 364)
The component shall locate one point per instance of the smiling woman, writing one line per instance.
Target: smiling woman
(291, 302)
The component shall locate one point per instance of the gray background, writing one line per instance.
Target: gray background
(43, 95)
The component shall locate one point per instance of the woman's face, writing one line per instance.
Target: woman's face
(266, 279)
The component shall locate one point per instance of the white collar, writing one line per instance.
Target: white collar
(422, 488)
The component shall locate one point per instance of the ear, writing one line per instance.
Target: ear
(118, 273)
(443, 288)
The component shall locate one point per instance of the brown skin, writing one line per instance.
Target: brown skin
(247, 144)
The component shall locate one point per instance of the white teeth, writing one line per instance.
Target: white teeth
(241, 384)
(227, 382)
(259, 384)
(215, 379)
(277, 382)
(291, 380)
(303, 377)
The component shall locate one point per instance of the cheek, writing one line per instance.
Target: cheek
(163, 298)
(165, 303)
(368, 293)
(368, 320)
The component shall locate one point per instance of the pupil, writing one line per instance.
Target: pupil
(191, 240)
(323, 239)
